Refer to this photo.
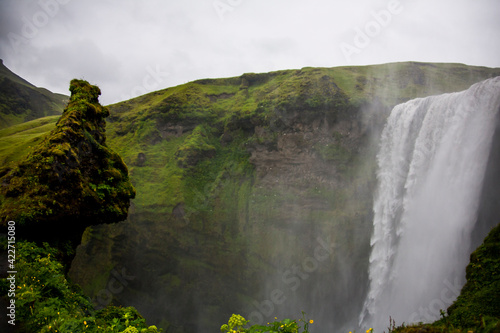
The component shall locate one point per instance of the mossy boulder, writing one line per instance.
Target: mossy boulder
(71, 179)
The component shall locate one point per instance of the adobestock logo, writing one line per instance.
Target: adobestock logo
(32, 25)
(363, 36)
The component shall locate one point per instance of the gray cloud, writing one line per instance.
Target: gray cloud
(117, 44)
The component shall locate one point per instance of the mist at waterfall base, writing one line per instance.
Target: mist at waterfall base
(431, 163)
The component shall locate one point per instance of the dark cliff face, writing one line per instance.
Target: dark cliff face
(71, 179)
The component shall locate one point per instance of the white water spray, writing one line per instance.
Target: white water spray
(431, 162)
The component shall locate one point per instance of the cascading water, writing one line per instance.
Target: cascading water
(431, 164)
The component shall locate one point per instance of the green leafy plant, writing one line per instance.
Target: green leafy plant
(47, 302)
(237, 323)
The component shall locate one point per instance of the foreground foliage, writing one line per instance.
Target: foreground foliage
(47, 302)
(237, 324)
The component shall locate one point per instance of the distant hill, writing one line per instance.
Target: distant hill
(20, 101)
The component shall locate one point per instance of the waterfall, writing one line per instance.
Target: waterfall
(431, 163)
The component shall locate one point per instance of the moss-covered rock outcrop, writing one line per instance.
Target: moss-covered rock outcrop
(71, 179)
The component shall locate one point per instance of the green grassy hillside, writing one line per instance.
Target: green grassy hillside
(16, 140)
(259, 96)
(21, 101)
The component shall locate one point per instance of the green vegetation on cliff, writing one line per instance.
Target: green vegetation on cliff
(155, 132)
(69, 180)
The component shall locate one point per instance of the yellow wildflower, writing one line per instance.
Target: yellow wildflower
(311, 321)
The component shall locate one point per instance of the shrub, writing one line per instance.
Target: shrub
(47, 302)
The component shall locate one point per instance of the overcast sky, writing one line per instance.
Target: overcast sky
(130, 47)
